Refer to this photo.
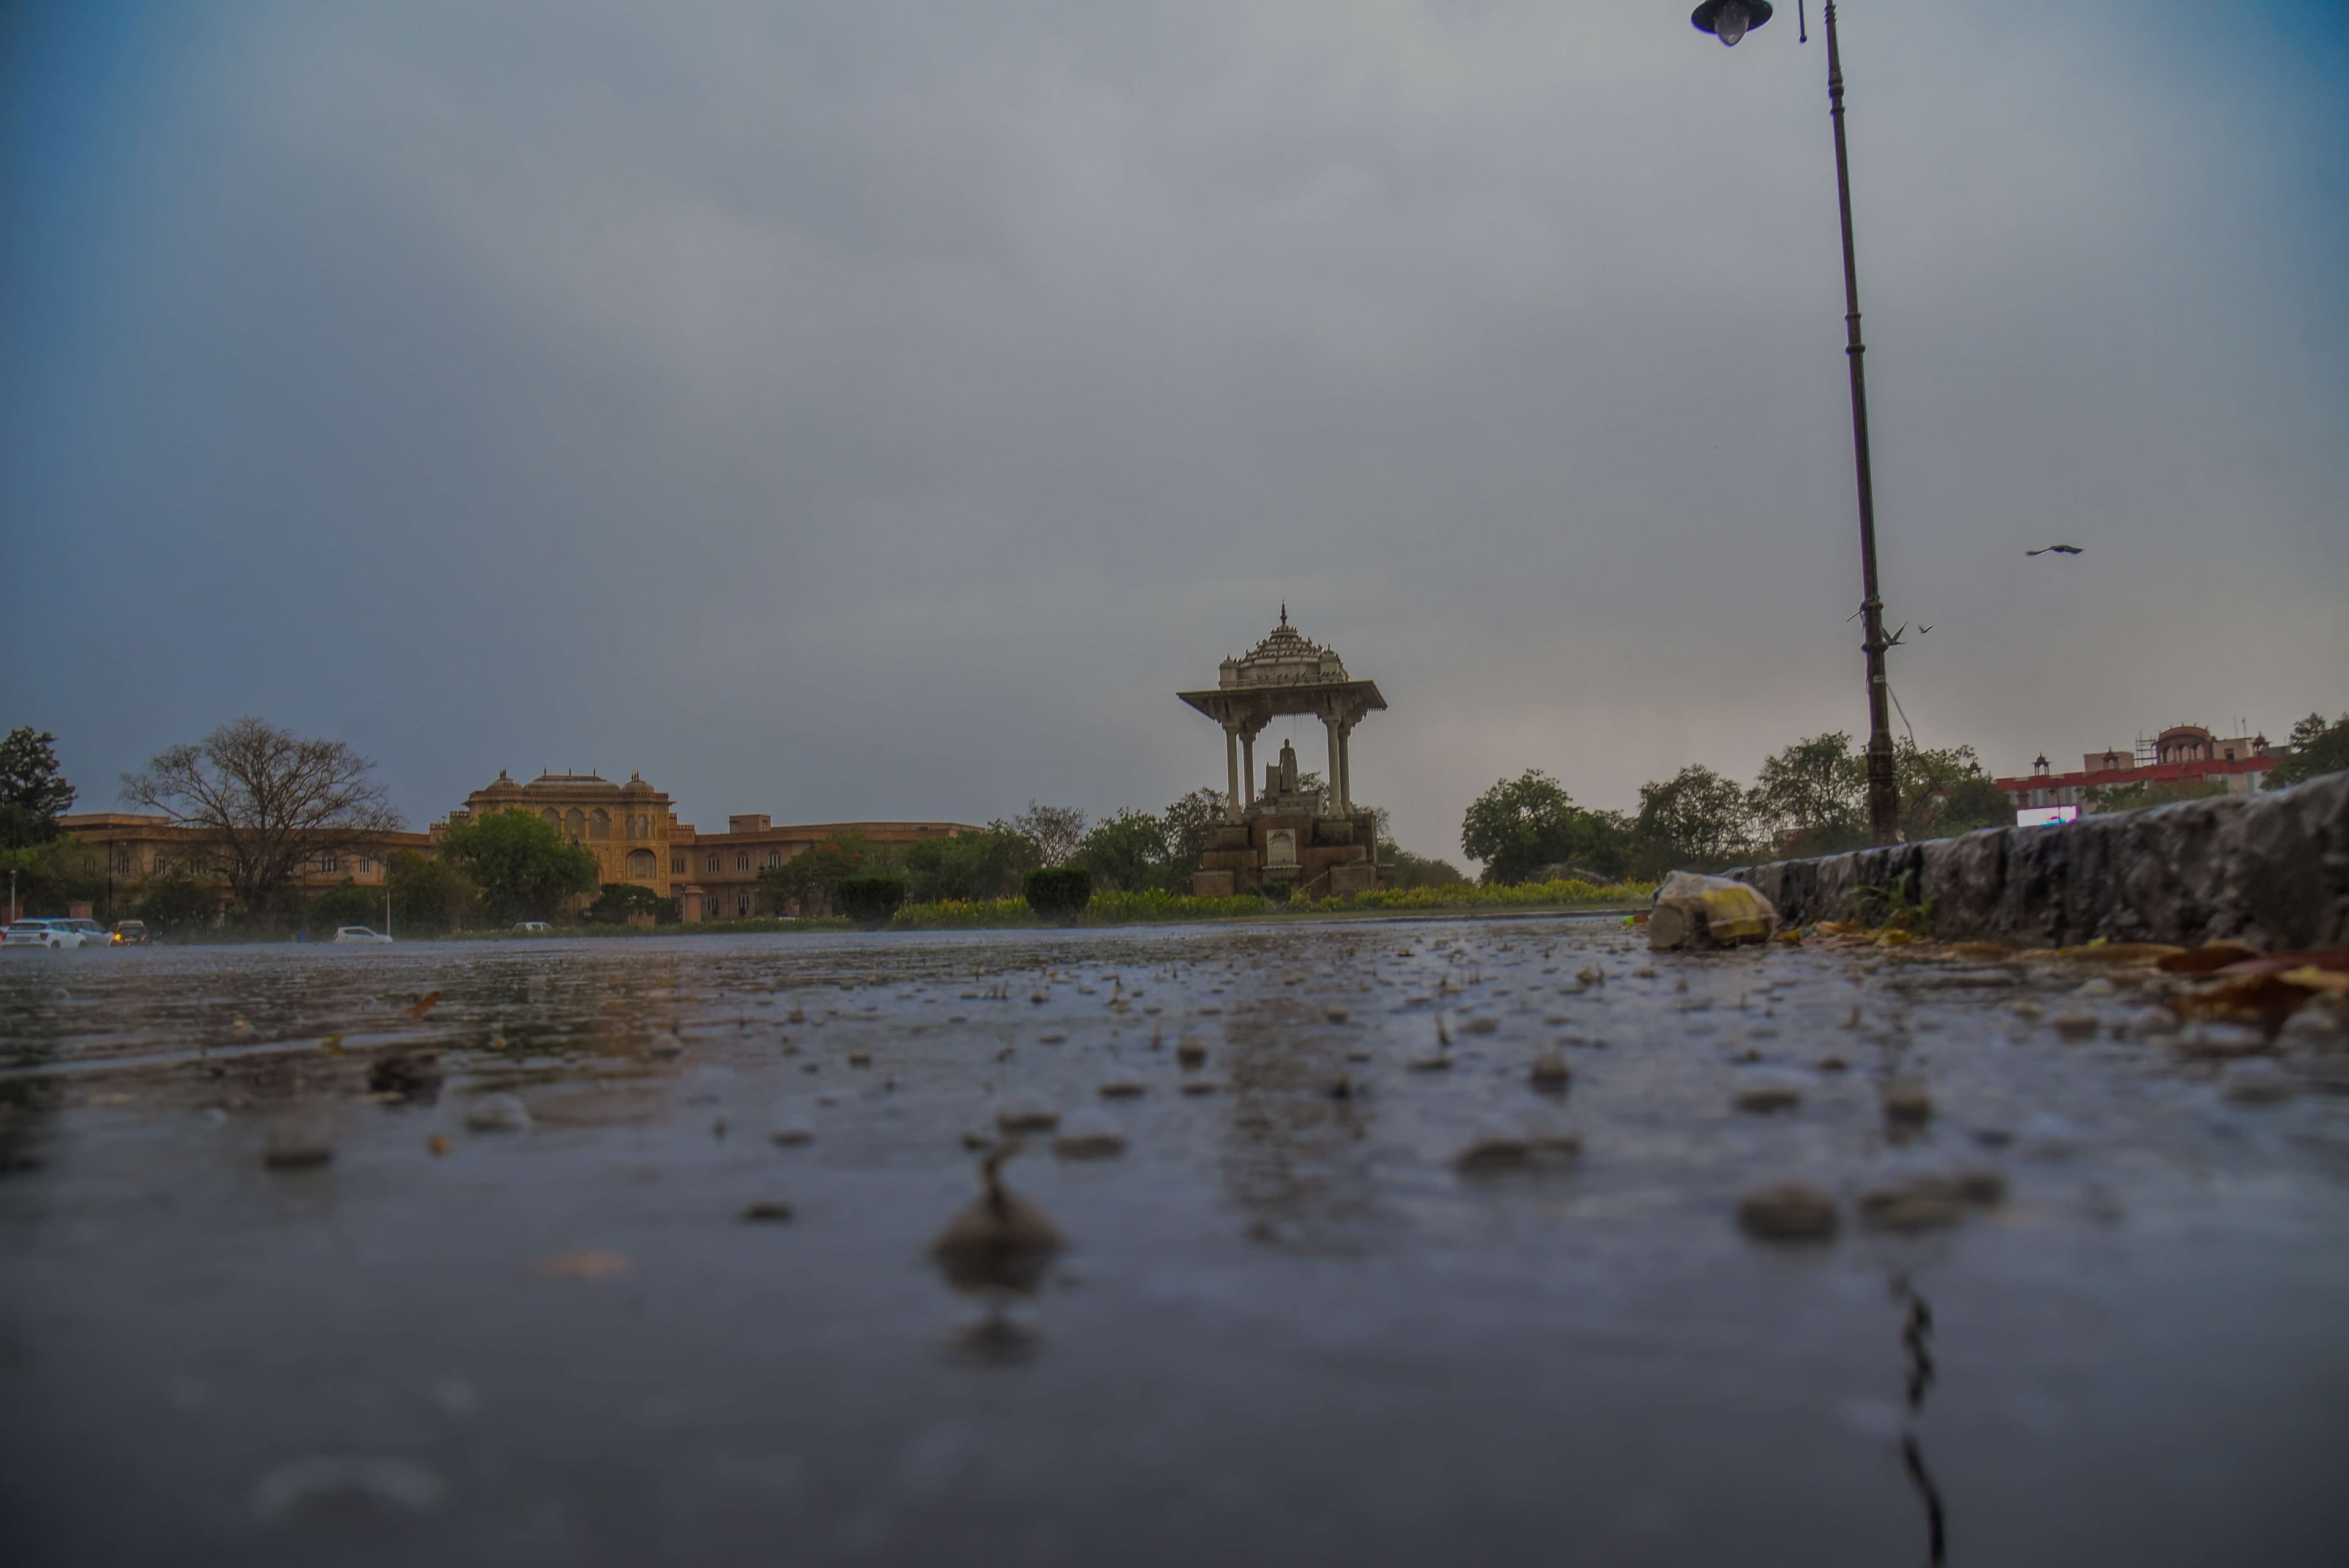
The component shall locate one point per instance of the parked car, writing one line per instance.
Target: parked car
(532, 926)
(359, 934)
(52, 934)
(93, 935)
(131, 933)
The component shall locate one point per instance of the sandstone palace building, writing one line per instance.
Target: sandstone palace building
(633, 834)
(635, 837)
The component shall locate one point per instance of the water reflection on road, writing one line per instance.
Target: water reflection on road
(619, 1250)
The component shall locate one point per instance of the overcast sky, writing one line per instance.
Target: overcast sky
(875, 409)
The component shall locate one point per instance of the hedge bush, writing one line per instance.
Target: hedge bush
(1060, 892)
(870, 901)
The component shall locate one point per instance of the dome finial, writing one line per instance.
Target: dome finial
(1284, 612)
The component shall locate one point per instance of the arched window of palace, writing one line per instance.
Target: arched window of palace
(599, 824)
(713, 863)
(774, 858)
(552, 818)
(640, 865)
(742, 862)
(574, 823)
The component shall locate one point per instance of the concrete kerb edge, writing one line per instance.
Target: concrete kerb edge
(2271, 869)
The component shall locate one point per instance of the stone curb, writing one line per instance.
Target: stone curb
(2271, 869)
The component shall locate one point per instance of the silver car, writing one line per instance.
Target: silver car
(359, 934)
(53, 934)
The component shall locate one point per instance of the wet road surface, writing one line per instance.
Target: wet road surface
(507, 1306)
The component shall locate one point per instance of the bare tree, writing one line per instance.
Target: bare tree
(269, 801)
(1057, 832)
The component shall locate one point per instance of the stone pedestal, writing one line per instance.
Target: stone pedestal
(690, 899)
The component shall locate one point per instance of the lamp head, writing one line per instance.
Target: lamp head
(1729, 20)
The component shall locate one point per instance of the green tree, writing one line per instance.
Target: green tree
(1190, 824)
(1945, 793)
(33, 793)
(1812, 796)
(1523, 824)
(2315, 747)
(525, 869)
(1695, 820)
(56, 873)
(429, 893)
(1123, 852)
(1401, 868)
(269, 803)
(967, 867)
(176, 904)
(1060, 892)
(621, 901)
(345, 904)
(870, 900)
(805, 883)
(2151, 793)
(1057, 832)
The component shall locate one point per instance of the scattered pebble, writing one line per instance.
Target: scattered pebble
(1201, 1087)
(668, 1046)
(438, 1144)
(1906, 1103)
(1928, 1202)
(1090, 1136)
(1027, 1119)
(1435, 1062)
(2078, 1022)
(2151, 1023)
(1479, 1024)
(1052, 1037)
(860, 1058)
(2256, 1084)
(1122, 1089)
(496, 1114)
(1832, 1064)
(1764, 1100)
(2219, 1041)
(1788, 1211)
(1492, 1156)
(298, 1143)
(793, 1129)
(1550, 1072)
(2099, 986)
(585, 1263)
(1335, 1014)
(1190, 1053)
(336, 1482)
(767, 1211)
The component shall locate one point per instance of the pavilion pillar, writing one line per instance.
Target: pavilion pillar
(1248, 769)
(1232, 772)
(1346, 769)
(1329, 724)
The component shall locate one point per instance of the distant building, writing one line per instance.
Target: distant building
(2184, 753)
(635, 836)
(637, 839)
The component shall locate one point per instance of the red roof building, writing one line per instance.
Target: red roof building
(2184, 753)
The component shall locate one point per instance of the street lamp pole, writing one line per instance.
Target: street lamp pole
(1729, 20)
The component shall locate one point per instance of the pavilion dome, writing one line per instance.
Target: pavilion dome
(1284, 658)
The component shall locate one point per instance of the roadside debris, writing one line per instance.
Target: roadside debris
(1699, 911)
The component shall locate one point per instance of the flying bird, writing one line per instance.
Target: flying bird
(1923, 629)
(2059, 549)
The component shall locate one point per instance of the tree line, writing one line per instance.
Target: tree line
(1810, 798)
(266, 806)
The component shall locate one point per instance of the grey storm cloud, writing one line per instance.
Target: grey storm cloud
(882, 409)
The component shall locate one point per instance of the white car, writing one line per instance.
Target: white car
(359, 934)
(532, 926)
(54, 934)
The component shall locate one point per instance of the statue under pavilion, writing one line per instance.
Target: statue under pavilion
(1310, 838)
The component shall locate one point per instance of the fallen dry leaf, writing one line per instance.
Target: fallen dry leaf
(422, 1005)
(2121, 952)
(2207, 959)
(586, 1263)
